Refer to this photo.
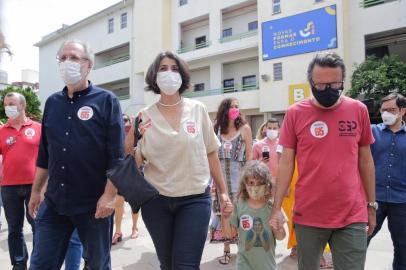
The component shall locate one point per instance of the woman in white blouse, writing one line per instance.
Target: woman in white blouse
(179, 150)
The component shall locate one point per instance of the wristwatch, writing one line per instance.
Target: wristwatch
(373, 205)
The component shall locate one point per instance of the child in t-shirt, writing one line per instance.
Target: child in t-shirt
(250, 219)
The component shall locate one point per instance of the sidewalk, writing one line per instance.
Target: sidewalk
(139, 254)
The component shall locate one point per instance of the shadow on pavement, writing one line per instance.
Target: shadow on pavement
(214, 264)
(148, 261)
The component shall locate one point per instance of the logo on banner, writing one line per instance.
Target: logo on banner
(85, 113)
(319, 129)
(29, 133)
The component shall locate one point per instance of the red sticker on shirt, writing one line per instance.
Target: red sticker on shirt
(319, 129)
(246, 222)
(190, 128)
(85, 113)
(29, 133)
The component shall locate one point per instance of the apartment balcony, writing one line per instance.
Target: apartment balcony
(194, 47)
(114, 72)
(112, 56)
(112, 61)
(221, 91)
(240, 36)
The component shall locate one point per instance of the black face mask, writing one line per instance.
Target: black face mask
(327, 97)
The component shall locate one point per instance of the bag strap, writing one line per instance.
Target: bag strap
(137, 134)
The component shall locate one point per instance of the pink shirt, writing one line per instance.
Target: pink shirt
(270, 145)
(329, 191)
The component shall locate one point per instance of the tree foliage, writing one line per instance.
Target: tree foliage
(379, 77)
(32, 110)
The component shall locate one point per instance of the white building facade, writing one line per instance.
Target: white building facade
(228, 48)
(110, 35)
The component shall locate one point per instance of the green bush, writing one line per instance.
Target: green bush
(33, 104)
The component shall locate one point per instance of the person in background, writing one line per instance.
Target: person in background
(389, 153)
(261, 133)
(119, 209)
(265, 149)
(19, 142)
(235, 137)
(179, 150)
(250, 219)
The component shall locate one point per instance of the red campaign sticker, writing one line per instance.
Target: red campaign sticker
(246, 222)
(190, 128)
(85, 113)
(319, 129)
(29, 132)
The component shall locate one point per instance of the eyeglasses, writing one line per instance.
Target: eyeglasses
(323, 86)
(390, 110)
(70, 58)
(126, 120)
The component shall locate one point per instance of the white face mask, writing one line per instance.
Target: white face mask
(70, 72)
(272, 134)
(11, 111)
(168, 82)
(388, 118)
(256, 192)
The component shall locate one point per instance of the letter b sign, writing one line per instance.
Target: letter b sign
(298, 92)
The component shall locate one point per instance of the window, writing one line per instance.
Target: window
(200, 42)
(249, 82)
(277, 72)
(276, 6)
(123, 20)
(228, 85)
(182, 2)
(110, 26)
(252, 25)
(198, 87)
(228, 32)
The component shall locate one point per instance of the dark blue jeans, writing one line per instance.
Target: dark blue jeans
(15, 203)
(396, 214)
(53, 233)
(178, 227)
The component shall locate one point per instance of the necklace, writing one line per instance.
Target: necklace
(170, 105)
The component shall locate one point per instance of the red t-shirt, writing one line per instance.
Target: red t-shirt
(20, 151)
(329, 191)
(265, 145)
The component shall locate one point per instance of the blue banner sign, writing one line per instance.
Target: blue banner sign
(311, 31)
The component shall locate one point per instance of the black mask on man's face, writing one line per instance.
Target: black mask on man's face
(327, 97)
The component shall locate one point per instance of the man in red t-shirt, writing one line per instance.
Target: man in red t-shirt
(330, 136)
(19, 142)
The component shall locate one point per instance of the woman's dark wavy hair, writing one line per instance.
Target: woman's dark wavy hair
(153, 69)
(221, 121)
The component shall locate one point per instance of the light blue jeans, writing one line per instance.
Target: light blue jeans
(74, 252)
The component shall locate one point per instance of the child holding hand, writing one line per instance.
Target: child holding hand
(250, 219)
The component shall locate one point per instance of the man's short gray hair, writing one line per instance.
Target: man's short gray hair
(19, 96)
(86, 47)
(326, 59)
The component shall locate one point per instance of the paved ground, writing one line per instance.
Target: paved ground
(139, 254)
